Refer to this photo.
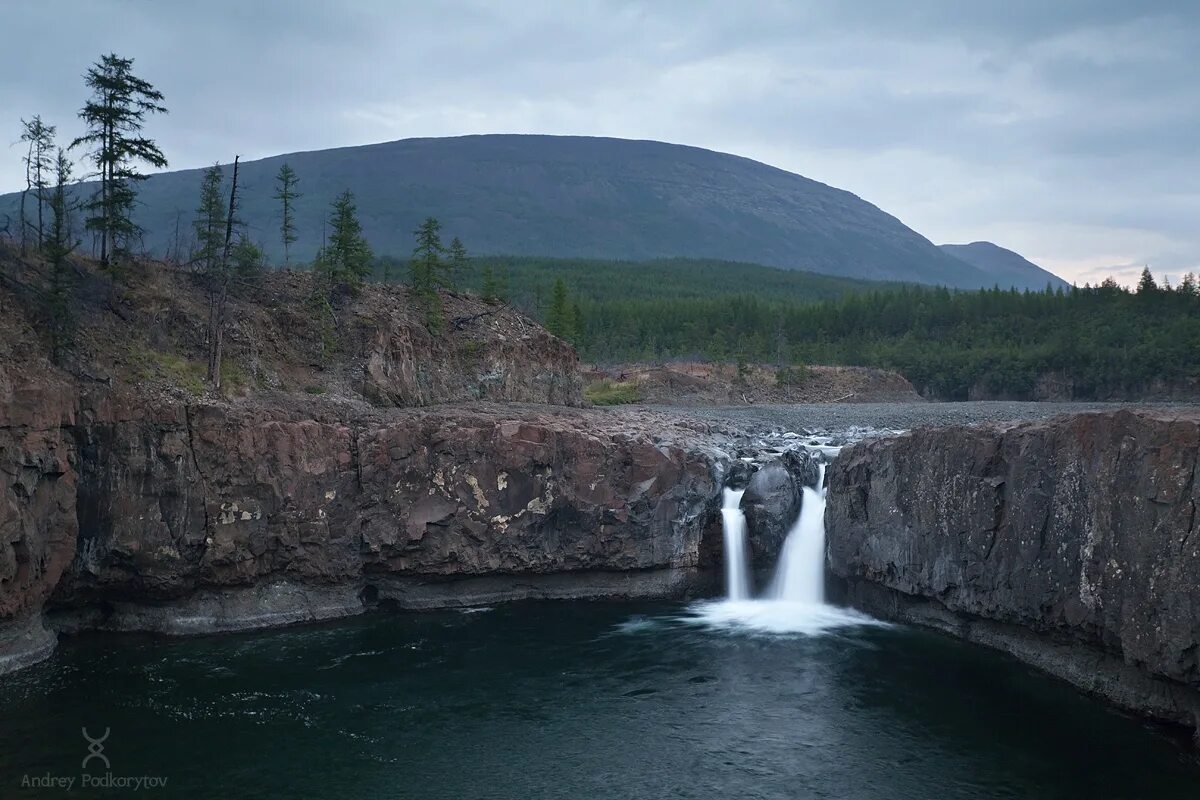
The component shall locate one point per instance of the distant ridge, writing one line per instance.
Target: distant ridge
(1006, 268)
(573, 196)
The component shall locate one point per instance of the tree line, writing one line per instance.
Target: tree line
(950, 344)
(1104, 340)
(221, 253)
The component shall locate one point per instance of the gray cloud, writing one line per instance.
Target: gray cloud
(1063, 130)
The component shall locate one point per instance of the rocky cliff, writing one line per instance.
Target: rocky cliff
(187, 518)
(1072, 543)
(347, 463)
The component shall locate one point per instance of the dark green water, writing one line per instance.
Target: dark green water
(572, 701)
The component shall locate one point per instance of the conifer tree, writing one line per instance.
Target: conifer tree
(58, 246)
(457, 263)
(39, 166)
(114, 116)
(209, 223)
(218, 280)
(489, 291)
(426, 267)
(558, 316)
(1146, 284)
(286, 194)
(345, 260)
(502, 285)
(427, 263)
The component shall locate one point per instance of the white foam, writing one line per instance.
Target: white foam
(775, 617)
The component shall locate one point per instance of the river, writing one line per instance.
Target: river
(571, 700)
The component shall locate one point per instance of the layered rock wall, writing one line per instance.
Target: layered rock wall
(127, 514)
(1072, 543)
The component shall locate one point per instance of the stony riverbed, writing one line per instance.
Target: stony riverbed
(833, 417)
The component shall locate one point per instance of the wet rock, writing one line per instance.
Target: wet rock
(1069, 541)
(772, 502)
(740, 473)
(180, 505)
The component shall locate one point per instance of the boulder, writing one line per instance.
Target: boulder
(772, 502)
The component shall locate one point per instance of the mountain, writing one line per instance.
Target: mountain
(1004, 267)
(572, 196)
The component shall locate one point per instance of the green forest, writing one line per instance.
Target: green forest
(1106, 340)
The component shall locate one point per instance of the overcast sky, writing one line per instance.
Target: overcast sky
(1067, 130)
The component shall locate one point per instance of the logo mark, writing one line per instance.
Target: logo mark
(96, 748)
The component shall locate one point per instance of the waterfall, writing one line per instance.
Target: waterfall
(737, 573)
(794, 603)
(800, 574)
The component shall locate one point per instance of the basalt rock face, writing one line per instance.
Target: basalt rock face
(194, 518)
(212, 497)
(136, 495)
(37, 513)
(1072, 543)
(772, 502)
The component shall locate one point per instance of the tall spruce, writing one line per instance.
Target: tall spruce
(39, 168)
(209, 223)
(426, 267)
(1146, 284)
(427, 264)
(114, 116)
(218, 282)
(58, 246)
(345, 259)
(286, 194)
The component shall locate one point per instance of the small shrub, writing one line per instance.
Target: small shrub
(612, 393)
(188, 374)
(792, 376)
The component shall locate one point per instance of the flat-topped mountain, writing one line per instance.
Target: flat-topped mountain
(572, 196)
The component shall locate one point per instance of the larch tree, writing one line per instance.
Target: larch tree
(427, 262)
(345, 259)
(490, 289)
(286, 194)
(114, 117)
(218, 282)
(426, 267)
(209, 222)
(558, 316)
(39, 167)
(457, 262)
(58, 246)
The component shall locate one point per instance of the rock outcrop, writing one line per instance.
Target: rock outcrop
(330, 474)
(1072, 543)
(37, 512)
(772, 502)
(194, 518)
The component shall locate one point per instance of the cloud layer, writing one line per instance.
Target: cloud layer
(1065, 131)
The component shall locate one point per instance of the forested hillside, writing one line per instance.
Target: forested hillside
(565, 196)
(529, 281)
(1102, 342)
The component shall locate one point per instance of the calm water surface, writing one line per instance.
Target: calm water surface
(572, 701)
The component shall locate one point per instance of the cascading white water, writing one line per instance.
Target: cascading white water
(800, 574)
(733, 521)
(795, 601)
